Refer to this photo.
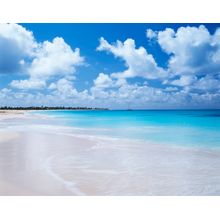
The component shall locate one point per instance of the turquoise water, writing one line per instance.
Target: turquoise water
(190, 128)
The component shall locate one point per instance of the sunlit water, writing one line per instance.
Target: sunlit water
(189, 128)
(114, 153)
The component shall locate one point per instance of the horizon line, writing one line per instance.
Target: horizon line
(98, 108)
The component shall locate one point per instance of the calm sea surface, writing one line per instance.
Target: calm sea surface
(189, 128)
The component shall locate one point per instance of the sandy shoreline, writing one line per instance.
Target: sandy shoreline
(9, 114)
(39, 159)
(14, 113)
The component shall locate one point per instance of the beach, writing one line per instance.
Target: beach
(40, 157)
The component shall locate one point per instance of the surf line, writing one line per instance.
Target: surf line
(68, 184)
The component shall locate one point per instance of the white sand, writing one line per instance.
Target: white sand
(6, 114)
(39, 159)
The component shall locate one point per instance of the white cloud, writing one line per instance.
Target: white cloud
(106, 87)
(62, 92)
(51, 59)
(191, 78)
(4, 93)
(28, 84)
(103, 81)
(171, 89)
(21, 53)
(184, 80)
(193, 50)
(54, 58)
(99, 93)
(207, 83)
(138, 61)
(16, 44)
(186, 69)
(63, 88)
(150, 34)
(194, 59)
(21, 37)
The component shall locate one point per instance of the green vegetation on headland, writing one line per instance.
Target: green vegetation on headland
(50, 108)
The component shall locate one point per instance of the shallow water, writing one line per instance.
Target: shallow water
(58, 162)
(46, 158)
(189, 128)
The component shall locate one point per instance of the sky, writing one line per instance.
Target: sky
(116, 66)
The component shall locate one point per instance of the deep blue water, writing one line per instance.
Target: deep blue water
(190, 128)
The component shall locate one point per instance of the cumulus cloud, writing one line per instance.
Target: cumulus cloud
(192, 50)
(191, 76)
(16, 44)
(138, 61)
(190, 79)
(4, 93)
(63, 88)
(63, 92)
(194, 59)
(103, 81)
(28, 84)
(207, 83)
(184, 80)
(150, 34)
(39, 61)
(54, 58)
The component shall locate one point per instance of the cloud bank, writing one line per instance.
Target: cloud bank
(45, 72)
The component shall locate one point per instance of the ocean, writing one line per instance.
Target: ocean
(185, 128)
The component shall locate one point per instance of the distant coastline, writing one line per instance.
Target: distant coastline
(102, 109)
(50, 108)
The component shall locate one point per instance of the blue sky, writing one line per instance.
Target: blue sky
(110, 65)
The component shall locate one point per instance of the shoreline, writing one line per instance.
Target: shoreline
(56, 160)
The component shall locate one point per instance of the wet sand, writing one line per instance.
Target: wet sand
(44, 159)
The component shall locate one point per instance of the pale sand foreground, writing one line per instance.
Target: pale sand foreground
(40, 159)
(4, 114)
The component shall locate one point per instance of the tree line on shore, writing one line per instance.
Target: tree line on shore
(49, 108)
